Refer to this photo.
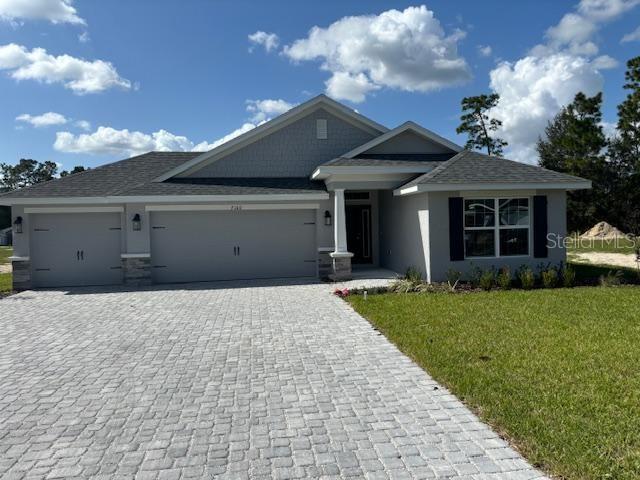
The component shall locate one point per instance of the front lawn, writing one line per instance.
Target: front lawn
(555, 371)
(5, 253)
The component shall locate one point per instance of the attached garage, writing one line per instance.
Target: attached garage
(75, 249)
(197, 246)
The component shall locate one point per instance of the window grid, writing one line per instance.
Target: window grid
(497, 227)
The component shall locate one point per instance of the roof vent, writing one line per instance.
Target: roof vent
(321, 128)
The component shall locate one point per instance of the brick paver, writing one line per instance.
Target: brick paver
(253, 381)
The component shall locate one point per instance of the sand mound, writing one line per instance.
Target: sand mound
(603, 230)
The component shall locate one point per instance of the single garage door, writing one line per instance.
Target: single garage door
(75, 249)
(232, 245)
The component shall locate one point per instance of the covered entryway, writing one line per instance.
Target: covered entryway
(198, 246)
(75, 249)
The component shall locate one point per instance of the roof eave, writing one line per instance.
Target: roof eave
(445, 187)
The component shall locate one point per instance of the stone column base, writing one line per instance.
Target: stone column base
(21, 274)
(341, 266)
(137, 271)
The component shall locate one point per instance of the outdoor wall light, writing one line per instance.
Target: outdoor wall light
(327, 218)
(17, 225)
(136, 222)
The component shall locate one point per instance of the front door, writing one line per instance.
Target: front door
(358, 219)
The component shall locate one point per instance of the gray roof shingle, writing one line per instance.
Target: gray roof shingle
(134, 177)
(390, 160)
(469, 167)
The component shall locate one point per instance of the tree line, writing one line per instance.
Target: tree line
(575, 143)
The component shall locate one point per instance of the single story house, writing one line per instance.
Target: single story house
(314, 192)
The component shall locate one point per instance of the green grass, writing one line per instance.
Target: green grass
(589, 273)
(5, 283)
(607, 246)
(5, 253)
(555, 371)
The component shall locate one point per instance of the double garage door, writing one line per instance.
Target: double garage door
(83, 249)
(232, 245)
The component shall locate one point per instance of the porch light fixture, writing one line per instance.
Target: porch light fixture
(327, 218)
(136, 222)
(17, 225)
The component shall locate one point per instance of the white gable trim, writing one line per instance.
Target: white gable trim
(411, 126)
(261, 131)
(477, 187)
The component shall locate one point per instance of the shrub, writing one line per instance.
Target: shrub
(504, 278)
(453, 278)
(526, 277)
(413, 275)
(549, 277)
(611, 279)
(568, 276)
(487, 279)
(475, 273)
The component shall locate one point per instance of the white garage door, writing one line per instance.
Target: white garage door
(75, 249)
(226, 245)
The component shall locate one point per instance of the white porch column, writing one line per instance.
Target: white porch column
(340, 224)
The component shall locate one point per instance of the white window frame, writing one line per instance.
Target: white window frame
(497, 227)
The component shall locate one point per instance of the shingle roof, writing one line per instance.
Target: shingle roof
(134, 177)
(380, 160)
(469, 167)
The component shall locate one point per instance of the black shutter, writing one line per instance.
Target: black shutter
(456, 229)
(540, 228)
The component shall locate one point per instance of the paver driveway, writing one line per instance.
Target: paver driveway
(266, 381)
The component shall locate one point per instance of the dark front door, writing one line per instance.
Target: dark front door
(359, 232)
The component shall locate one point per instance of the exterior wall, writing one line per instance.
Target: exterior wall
(293, 151)
(404, 234)
(408, 142)
(439, 240)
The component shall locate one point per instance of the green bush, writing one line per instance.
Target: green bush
(475, 273)
(549, 277)
(611, 279)
(526, 277)
(504, 278)
(413, 275)
(568, 276)
(453, 278)
(487, 279)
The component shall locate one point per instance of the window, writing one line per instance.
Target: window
(496, 227)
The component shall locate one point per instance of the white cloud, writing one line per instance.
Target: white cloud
(55, 11)
(406, 50)
(109, 141)
(83, 124)
(204, 146)
(80, 76)
(345, 86)
(262, 110)
(84, 37)
(632, 37)
(44, 120)
(485, 50)
(532, 90)
(576, 30)
(535, 88)
(269, 41)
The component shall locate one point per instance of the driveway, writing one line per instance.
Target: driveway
(227, 381)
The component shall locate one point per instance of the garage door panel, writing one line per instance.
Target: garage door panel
(232, 245)
(80, 249)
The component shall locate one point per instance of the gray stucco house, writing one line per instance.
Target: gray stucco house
(314, 192)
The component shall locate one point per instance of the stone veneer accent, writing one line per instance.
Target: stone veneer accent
(341, 269)
(137, 271)
(21, 274)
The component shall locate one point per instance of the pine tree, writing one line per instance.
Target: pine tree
(574, 143)
(476, 122)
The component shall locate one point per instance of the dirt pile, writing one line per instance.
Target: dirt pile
(604, 231)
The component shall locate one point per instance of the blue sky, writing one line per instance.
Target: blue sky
(183, 75)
